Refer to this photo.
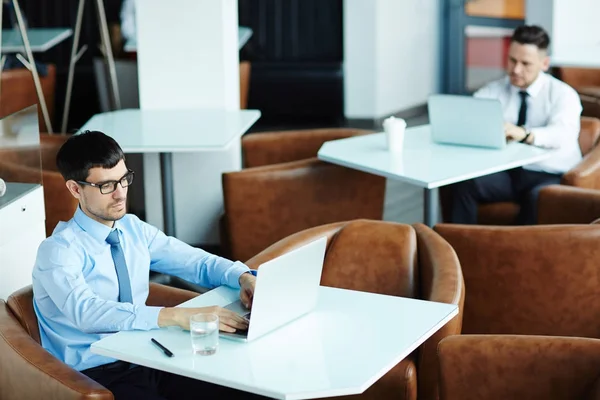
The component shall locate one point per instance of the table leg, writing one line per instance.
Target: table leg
(430, 206)
(32, 67)
(166, 173)
(75, 55)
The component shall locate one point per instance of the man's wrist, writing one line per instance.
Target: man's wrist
(526, 134)
(246, 275)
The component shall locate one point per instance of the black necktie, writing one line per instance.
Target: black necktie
(121, 267)
(523, 110)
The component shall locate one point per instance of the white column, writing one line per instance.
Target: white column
(391, 51)
(391, 64)
(188, 58)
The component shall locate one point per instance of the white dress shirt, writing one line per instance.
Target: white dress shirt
(128, 28)
(553, 117)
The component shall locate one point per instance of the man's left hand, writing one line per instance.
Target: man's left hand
(514, 132)
(247, 284)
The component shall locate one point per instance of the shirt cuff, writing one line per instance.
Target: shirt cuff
(234, 273)
(146, 317)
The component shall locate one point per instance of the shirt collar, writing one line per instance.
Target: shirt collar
(534, 88)
(94, 228)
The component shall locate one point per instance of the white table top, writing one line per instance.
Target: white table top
(425, 163)
(244, 34)
(341, 348)
(151, 131)
(41, 39)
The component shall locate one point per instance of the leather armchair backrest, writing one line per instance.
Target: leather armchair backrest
(589, 134)
(269, 148)
(373, 256)
(496, 367)
(266, 204)
(535, 280)
(580, 77)
(20, 303)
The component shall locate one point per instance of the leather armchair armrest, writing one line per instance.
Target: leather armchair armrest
(441, 281)
(167, 296)
(586, 174)
(293, 242)
(559, 204)
(28, 371)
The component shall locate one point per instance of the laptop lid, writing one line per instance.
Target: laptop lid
(466, 120)
(286, 288)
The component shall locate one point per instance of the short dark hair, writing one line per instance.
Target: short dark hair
(531, 34)
(86, 150)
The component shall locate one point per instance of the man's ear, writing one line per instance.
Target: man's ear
(546, 64)
(74, 188)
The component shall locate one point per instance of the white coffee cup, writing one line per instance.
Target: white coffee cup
(394, 132)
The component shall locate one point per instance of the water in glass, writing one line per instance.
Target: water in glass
(204, 330)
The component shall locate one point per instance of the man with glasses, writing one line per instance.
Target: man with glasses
(91, 277)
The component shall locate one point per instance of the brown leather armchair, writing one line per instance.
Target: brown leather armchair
(529, 280)
(266, 204)
(23, 166)
(559, 204)
(519, 367)
(268, 148)
(396, 260)
(18, 92)
(284, 189)
(587, 83)
(28, 371)
(586, 174)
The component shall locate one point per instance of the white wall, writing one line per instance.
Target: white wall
(391, 52)
(572, 25)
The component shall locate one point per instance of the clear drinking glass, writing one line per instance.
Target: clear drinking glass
(204, 330)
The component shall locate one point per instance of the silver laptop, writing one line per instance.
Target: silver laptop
(287, 288)
(466, 120)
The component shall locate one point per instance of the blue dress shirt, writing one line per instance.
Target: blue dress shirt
(75, 287)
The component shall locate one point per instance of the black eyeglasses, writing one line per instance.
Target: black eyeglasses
(110, 186)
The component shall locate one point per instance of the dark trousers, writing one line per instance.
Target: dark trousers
(127, 381)
(519, 185)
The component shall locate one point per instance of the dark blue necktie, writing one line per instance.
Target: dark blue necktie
(121, 267)
(523, 109)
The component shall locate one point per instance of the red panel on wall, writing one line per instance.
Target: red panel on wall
(487, 51)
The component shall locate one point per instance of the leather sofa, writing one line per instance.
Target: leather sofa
(391, 259)
(529, 280)
(496, 367)
(24, 166)
(284, 189)
(28, 371)
(585, 174)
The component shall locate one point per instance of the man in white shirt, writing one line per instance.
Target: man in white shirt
(539, 110)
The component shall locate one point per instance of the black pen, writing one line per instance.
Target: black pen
(163, 348)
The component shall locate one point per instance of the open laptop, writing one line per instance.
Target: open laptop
(286, 288)
(466, 120)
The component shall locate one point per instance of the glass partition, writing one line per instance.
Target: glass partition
(20, 154)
